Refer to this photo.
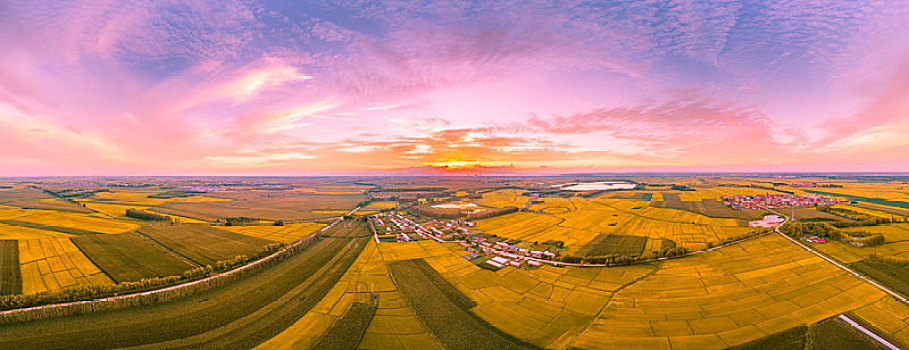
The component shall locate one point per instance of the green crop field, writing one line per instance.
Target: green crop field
(347, 331)
(130, 256)
(10, 274)
(830, 334)
(445, 311)
(203, 245)
(614, 245)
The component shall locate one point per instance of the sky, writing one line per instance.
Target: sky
(452, 87)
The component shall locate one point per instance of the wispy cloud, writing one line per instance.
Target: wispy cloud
(171, 86)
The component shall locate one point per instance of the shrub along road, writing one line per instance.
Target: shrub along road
(240, 315)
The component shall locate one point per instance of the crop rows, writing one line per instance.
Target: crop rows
(54, 264)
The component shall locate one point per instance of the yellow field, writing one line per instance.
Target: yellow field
(330, 211)
(287, 233)
(866, 211)
(554, 206)
(886, 190)
(91, 222)
(546, 306)
(141, 198)
(727, 297)
(502, 198)
(120, 211)
(393, 327)
(53, 264)
(889, 316)
(896, 244)
(702, 193)
(588, 218)
(8, 232)
(381, 205)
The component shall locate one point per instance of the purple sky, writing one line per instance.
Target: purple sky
(284, 88)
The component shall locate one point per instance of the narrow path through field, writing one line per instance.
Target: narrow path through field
(626, 285)
(855, 325)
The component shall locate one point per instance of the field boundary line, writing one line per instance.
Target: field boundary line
(869, 333)
(168, 250)
(426, 330)
(611, 295)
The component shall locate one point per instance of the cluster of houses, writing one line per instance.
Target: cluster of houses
(505, 254)
(405, 229)
(394, 227)
(777, 201)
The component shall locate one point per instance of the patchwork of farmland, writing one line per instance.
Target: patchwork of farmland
(727, 297)
(586, 219)
(349, 291)
(547, 306)
(18, 223)
(119, 210)
(54, 264)
(240, 315)
(393, 325)
(279, 207)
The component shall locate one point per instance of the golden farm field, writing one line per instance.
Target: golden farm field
(120, 210)
(287, 233)
(12, 232)
(593, 217)
(17, 223)
(141, 198)
(896, 244)
(392, 326)
(867, 211)
(381, 205)
(725, 298)
(89, 222)
(547, 306)
(53, 264)
(502, 199)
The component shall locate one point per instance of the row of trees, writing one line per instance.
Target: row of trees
(831, 232)
(859, 218)
(239, 221)
(147, 215)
